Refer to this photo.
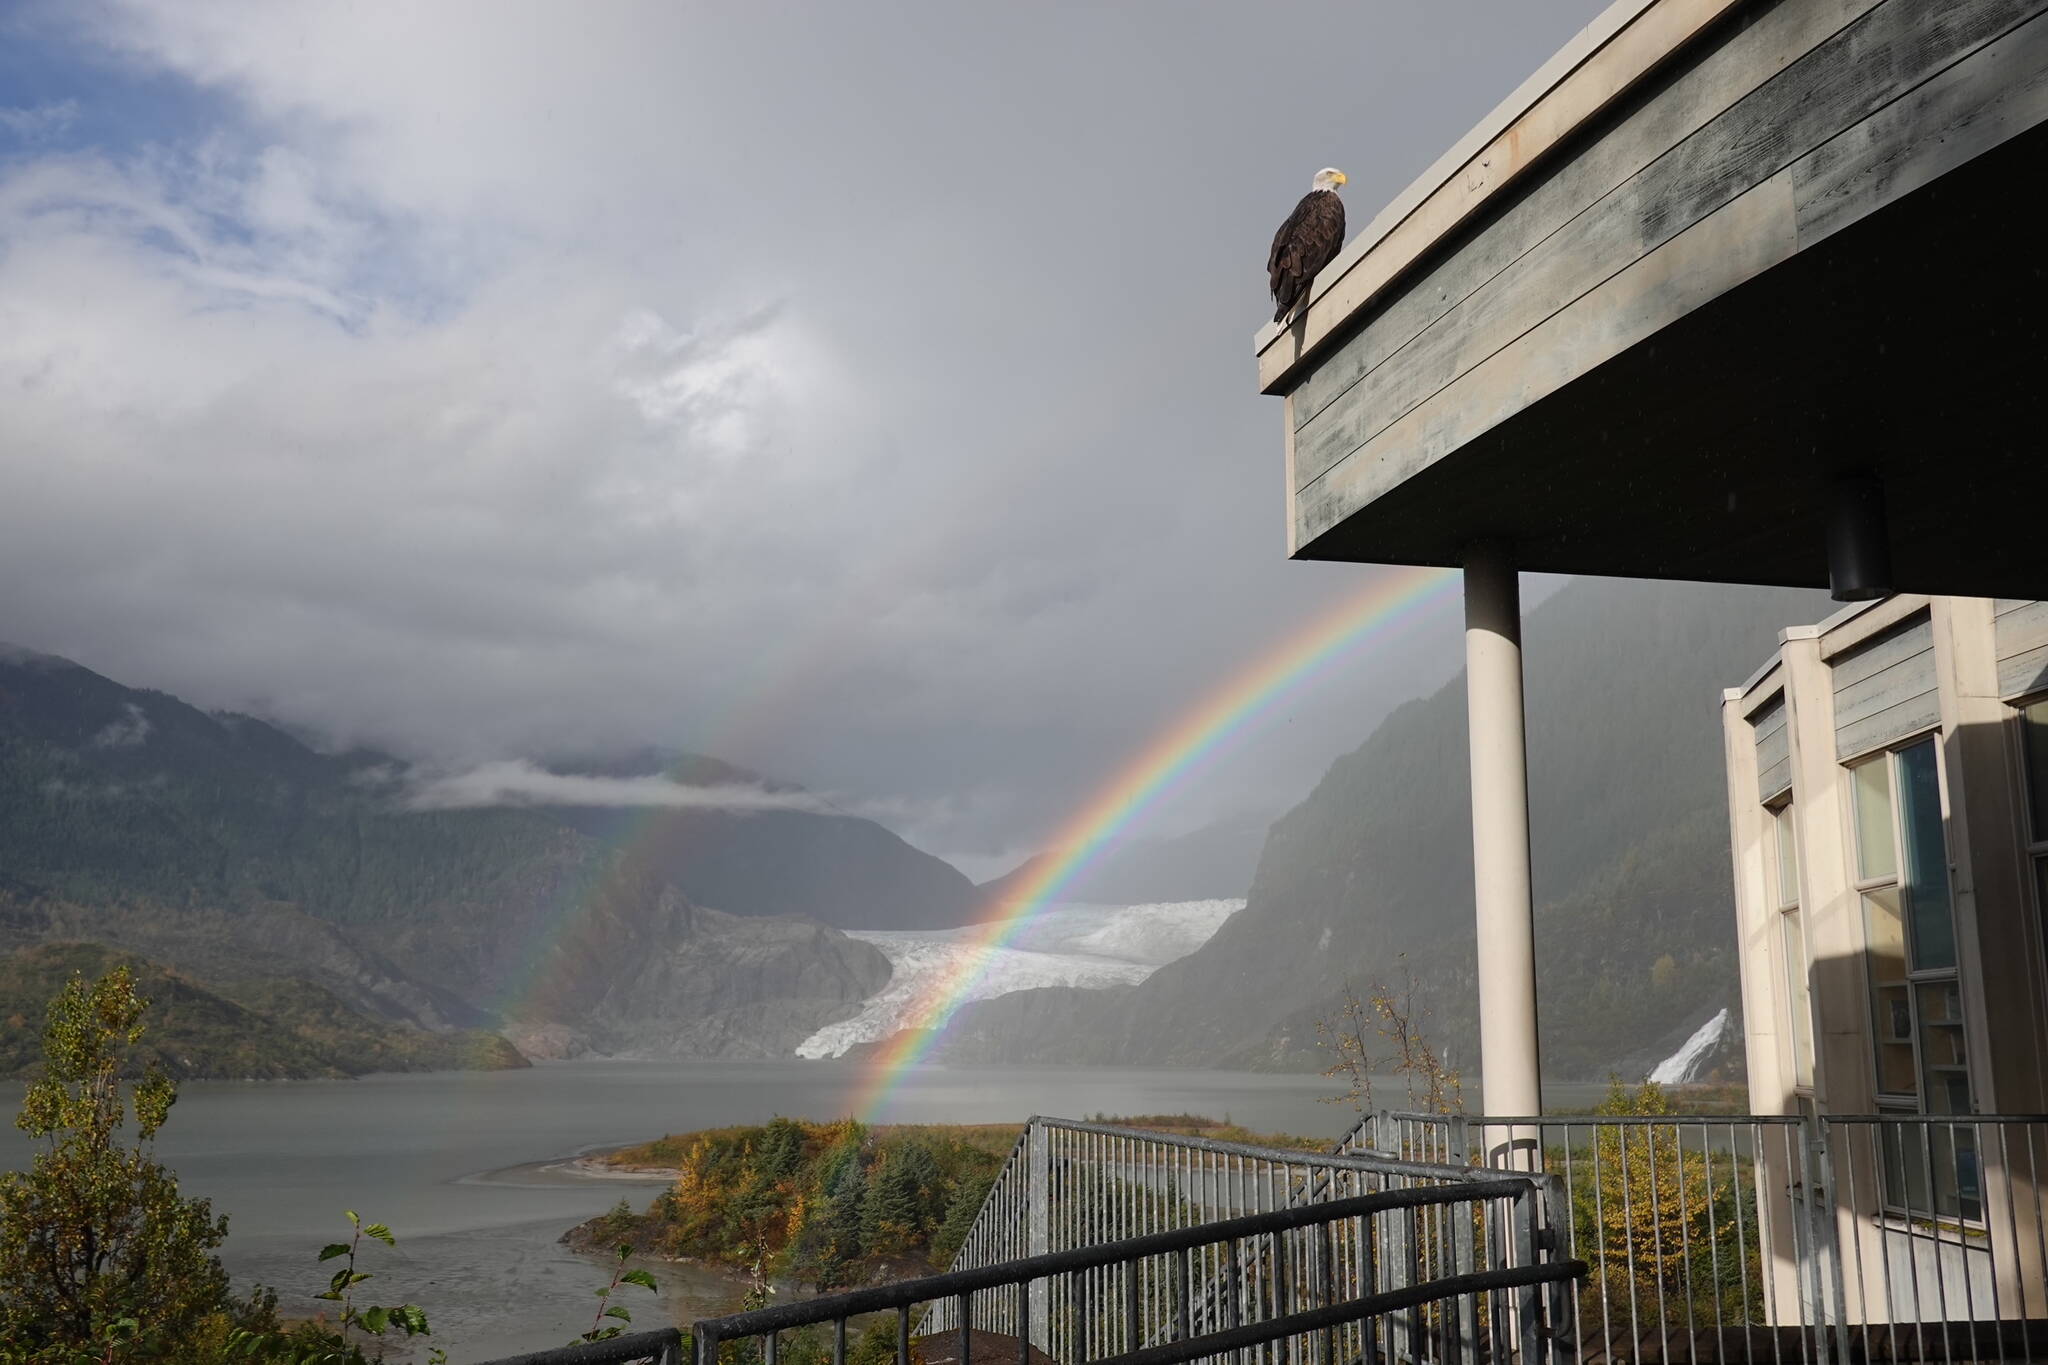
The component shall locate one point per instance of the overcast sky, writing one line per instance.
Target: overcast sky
(860, 393)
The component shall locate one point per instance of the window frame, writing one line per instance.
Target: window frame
(1796, 977)
(2033, 842)
(1915, 976)
(1900, 1170)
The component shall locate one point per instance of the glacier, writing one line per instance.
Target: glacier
(1685, 1064)
(1090, 946)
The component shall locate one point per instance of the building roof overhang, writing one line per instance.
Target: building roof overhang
(1716, 259)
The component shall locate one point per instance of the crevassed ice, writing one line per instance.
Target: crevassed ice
(1090, 946)
(1682, 1065)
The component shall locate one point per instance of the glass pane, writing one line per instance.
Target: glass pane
(1958, 1188)
(2041, 894)
(1934, 930)
(1943, 1060)
(1797, 1001)
(2034, 728)
(1905, 1166)
(1932, 1169)
(1875, 856)
(1788, 856)
(1890, 1001)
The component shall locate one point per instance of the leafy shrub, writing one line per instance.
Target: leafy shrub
(100, 1256)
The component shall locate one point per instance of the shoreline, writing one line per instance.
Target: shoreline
(576, 1168)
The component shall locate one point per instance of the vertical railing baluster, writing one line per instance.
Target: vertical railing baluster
(1934, 1222)
(2040, 1204)
(1131, 1304)
(2012, 1228)
(1184, 1271)
(1657, 1239)
(2012, 1218)
(1963, 1220)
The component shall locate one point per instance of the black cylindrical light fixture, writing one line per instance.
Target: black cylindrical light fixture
(1859, 551)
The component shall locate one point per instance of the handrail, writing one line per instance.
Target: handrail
(664, 1346)
(1343, 1161)
(952, 1284)
(1350, 1311)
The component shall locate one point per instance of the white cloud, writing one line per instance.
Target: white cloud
(129, 731)
(518, 783)
(39, 122)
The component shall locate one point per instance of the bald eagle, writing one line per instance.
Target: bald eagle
(1306, 242)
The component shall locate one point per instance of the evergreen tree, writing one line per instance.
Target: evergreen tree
(781, 1153)
(969, 1193)
(838, 1227)
(898, 1212)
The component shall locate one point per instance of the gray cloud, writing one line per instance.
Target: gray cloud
(519, 783)
(126, 732)
(859, 393)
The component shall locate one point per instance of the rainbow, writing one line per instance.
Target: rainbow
(1389, 599)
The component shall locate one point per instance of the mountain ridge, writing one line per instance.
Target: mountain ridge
(1368, 879)
(222, 847)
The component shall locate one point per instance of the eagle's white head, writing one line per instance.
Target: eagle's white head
(1329, 178)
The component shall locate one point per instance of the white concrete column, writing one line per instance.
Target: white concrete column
(1509, 1070)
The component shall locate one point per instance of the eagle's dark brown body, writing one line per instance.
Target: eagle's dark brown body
(1305, 243)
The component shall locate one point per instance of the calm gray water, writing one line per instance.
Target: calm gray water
(459, 1164)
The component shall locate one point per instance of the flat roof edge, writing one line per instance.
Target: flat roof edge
(1464, 179)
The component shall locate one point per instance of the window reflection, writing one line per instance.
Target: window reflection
(1872, 789)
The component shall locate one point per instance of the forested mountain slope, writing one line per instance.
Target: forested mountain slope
(1369, 878)
(227, 849)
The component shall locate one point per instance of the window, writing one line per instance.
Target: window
(1792, 943)
(1921, 1055)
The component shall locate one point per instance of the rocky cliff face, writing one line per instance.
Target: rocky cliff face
(643, 972)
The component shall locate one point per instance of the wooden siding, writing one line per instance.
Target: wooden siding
(1625, 45)
(1773, 749)
(1815, 115)
(2020, 631)
(1886, 690)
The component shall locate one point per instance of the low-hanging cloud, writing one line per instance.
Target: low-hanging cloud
(127, 731)
(519, 783)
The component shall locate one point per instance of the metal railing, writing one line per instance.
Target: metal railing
(1332, 1280)
(1941, 1224)
(1787, 1238)
(1705, 1238)
(664, 1347)
(1071, 1184)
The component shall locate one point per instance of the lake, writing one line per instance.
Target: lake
(465, 1166)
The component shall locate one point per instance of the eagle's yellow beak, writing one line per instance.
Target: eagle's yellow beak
(1343, 179)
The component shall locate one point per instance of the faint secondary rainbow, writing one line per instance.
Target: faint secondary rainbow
(1393, 597)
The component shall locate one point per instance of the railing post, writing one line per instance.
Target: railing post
(1826, 1212)
(1554, 1245)
(1038, 1227)
(1528, 1299)
(1399, 1260)
(1812, 1277)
